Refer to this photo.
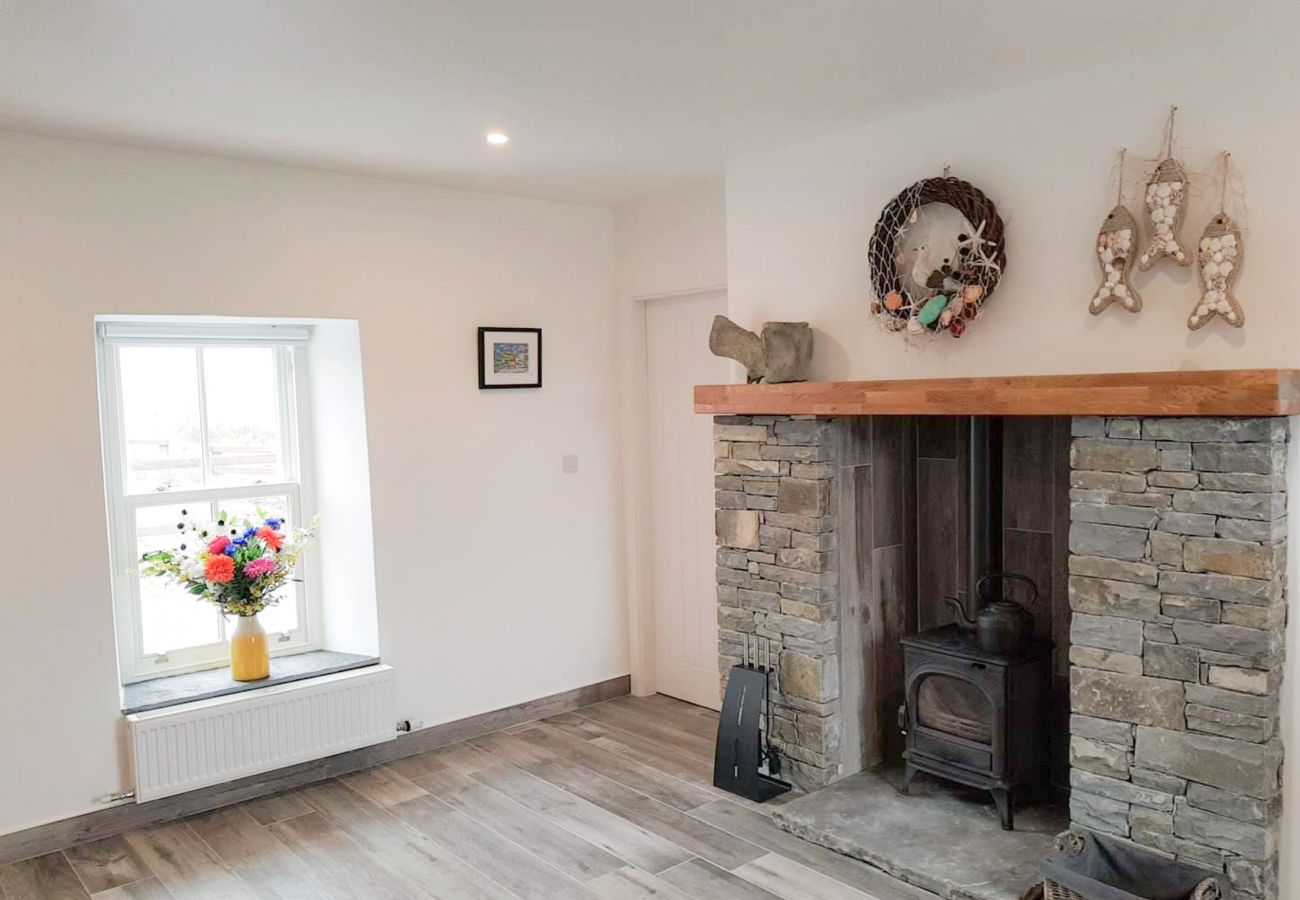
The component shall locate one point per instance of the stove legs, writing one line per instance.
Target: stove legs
(1002, 798)
(908, 774)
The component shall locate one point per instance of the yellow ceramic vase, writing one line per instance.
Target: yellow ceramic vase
(250, 659)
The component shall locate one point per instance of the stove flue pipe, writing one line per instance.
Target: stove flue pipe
(985, 515)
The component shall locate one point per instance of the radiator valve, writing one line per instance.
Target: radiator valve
(120, 797)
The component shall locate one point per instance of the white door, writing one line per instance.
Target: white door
(681, 495)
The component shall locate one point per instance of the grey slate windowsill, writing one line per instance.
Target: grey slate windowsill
(173, 690)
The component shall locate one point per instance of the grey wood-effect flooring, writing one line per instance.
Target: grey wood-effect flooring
(613, 801)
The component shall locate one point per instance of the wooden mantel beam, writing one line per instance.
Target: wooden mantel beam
(1233, 392)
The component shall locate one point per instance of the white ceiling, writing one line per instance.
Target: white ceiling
(604, 100)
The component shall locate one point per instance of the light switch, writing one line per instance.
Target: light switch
(569, 463)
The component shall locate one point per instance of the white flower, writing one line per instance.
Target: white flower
(195, 569)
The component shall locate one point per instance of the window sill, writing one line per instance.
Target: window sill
(173, 690)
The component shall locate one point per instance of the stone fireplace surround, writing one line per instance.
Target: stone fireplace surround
(1175, 563)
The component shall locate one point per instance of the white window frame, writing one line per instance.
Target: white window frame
(290, 345)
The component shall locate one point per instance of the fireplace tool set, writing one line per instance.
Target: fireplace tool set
(746, 761)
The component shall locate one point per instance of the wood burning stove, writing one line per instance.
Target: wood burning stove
(973, 713)
(976, 717)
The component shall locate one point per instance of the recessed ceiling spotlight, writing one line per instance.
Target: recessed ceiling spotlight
(498, 138)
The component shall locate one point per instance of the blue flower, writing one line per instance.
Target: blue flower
(230, 548)
(275, 523)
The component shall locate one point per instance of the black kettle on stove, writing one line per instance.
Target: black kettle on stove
(1001, 626)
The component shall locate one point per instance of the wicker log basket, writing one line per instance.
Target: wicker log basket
(1206, 890)
(1107, 872)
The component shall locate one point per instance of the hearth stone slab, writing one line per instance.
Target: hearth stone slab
(941, 837)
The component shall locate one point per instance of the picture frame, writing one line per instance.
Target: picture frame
(509, 358)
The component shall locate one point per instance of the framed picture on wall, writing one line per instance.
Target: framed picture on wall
(509, 357)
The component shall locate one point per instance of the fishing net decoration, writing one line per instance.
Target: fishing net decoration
(949, 296)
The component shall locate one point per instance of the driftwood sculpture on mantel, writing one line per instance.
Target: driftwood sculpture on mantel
(781, 355)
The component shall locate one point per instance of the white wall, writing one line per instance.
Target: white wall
(799, 219)
(498, 577)
(667, 245)
(341, 474)
(672, 243)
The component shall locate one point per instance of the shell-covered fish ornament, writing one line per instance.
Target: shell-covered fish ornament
(1116, 244)
(1166, 206)
(1218, 256)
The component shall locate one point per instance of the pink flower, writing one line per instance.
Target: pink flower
(219, 545)
(259, 567)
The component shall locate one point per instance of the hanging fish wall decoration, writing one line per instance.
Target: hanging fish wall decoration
(1166, 205)
(1219, 258)
(1115, 245)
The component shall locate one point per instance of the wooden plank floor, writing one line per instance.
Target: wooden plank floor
(613, 801)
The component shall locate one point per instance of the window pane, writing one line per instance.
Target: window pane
(170, 618)
(160, 410)
(243, 415)
(283, 616)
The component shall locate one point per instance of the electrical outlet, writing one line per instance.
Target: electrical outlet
(569, 463)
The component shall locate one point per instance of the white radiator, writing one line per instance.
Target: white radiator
(193, 745)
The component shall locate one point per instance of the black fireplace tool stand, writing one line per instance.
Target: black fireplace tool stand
(746, 762)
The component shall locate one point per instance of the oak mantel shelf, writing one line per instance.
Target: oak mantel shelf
(1231, 392)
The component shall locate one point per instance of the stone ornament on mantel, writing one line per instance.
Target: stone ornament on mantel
(780, 356)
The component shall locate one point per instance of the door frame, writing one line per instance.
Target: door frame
(635, 436)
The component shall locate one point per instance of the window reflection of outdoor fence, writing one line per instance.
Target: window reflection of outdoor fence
(254, 464)
(255, 461)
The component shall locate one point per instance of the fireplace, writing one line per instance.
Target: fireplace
(1151, 511)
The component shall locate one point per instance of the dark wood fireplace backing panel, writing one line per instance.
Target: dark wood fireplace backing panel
(902, 558)
(878, 574)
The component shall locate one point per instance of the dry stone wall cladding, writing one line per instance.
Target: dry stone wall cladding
(1177, 558)
(1177, 567)
(777, 575)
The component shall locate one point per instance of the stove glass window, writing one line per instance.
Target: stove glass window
(955, 706)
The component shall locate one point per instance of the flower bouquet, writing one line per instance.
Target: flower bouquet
(237, 566)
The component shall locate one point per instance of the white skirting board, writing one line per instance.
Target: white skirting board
(207, 742)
